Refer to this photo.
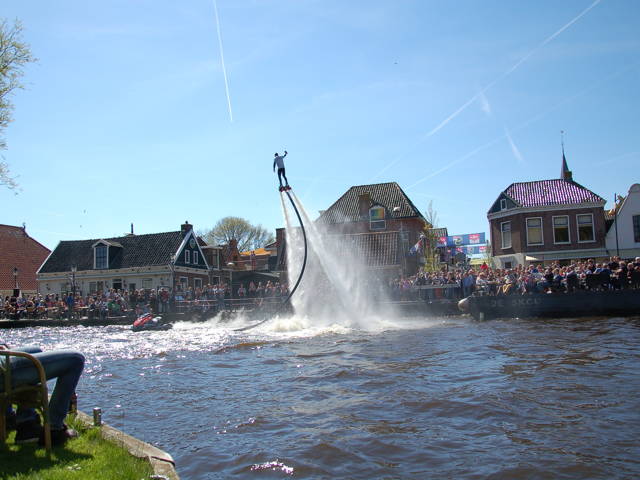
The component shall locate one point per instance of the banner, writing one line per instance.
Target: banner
(472, 250)
(460, 240)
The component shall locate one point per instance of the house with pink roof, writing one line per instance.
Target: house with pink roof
(547, 221)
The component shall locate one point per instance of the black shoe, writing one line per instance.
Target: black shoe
(29, 431)
(58, 436)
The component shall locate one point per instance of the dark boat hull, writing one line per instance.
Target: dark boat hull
(559, 305)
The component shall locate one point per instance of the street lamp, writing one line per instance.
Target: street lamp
(15, 278)
(231, 265)
(74, 269)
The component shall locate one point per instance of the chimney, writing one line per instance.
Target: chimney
(185, 228)
(131, 228)
(364, 203)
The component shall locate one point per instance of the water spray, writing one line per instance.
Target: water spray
(304, 264)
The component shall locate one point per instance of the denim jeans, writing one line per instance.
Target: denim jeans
(64, 365)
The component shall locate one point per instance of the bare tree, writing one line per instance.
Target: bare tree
(430, 240)
(248, 236)
(14, 55)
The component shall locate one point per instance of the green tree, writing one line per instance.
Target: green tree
(431, 260)
(14, 55)
(248, 236)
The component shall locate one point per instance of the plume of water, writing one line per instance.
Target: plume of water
(337, 287)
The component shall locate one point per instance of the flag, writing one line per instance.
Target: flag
(417, 247)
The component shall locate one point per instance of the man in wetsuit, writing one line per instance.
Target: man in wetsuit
(279, 161)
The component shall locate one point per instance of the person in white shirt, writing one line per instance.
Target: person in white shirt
(279, 161)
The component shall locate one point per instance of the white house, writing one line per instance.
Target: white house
(131, 262)
(624, 234)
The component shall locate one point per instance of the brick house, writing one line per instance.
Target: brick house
(545, 221)
(129, 262)
(20, 258)
(382, 223)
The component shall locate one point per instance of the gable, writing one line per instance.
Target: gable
(189, 254)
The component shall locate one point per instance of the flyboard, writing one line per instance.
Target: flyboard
(304, 264)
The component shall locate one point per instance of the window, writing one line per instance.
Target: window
(585, 227)
(187, 256)
(503, 204)
(508, 265)
(561, 229)
(376, 218)
(534, 231)
(184, 282)
(101, 252)
(197, 283)
(505, 230)
(195, 257)
(93, 287)
(636, 228)
(147, 282)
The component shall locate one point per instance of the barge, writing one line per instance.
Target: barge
(582, 303)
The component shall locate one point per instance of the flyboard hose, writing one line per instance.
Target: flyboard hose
(304, 264)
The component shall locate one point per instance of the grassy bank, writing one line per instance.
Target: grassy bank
(87, 457)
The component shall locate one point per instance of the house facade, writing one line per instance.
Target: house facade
(547, 221)
(380, 223)
(169, 259)
(623, 236)
(20, 258)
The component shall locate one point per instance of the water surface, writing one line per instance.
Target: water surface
(410, 399)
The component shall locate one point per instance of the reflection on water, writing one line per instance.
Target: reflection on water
(439, 398)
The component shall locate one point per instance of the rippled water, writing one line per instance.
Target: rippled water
(439, 398)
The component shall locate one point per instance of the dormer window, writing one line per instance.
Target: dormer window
(101, 256)
(376, 218)
(503, 204)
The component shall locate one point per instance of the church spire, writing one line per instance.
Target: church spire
(565, 173)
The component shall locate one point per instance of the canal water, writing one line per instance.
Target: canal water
(402, 399)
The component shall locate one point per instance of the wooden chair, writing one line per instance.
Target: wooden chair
(31, 396)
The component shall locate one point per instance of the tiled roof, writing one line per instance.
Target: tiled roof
(19, 250)
(542, 193)
(378, 249)
(389, 195)
(136, 251)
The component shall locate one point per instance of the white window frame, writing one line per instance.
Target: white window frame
(184, 282)
(593, 228)
(502, 231)
(568, 227)
(197, 282)
(95, 257)
(187, 256)
(541, 231)
(195, 257)
(147, 283)
(503, 204)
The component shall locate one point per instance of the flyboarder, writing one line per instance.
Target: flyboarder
(279, 160)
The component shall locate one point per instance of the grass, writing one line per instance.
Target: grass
(87, 457)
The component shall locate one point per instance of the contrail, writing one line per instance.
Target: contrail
(533, 119)
(514, 148)
(481, 93)
(224, 69)
(513, 68)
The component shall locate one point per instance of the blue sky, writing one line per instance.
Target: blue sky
(125, 116)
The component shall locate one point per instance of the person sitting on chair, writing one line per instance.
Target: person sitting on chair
(66, 367)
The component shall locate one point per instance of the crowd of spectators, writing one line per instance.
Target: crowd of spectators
(462, 282)
(114, 303)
